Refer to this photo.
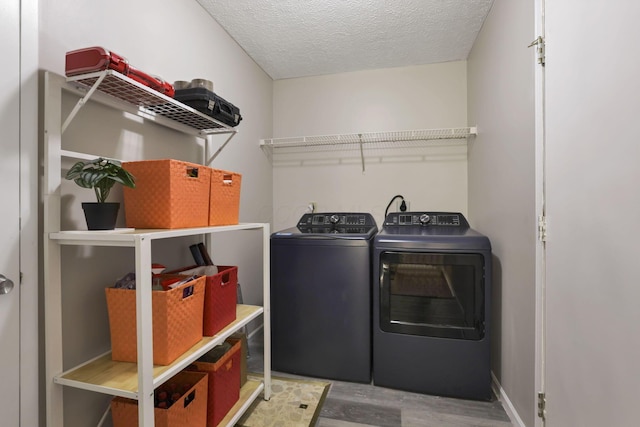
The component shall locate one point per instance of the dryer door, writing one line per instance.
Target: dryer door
(432, 294)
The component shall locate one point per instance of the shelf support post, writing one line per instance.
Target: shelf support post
(52, 256)
(266, 304)
(144, 325)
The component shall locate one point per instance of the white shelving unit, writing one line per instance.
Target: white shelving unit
(101, 374)
(363, 141)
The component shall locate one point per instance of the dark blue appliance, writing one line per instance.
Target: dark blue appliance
(431, 305)
(321, 296)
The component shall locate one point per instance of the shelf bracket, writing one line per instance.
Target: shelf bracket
(361, 152)
(539, 43)
(212, 158)
(82, 101)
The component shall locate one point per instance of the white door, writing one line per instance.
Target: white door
(9, 213)
(592, 357)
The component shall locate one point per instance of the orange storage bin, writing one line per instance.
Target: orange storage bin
(224, 199)
(224, 382)
(177, 321)
(189, 410)
(169, 194)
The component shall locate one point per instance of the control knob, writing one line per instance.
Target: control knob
(334, 219)
(424, 219)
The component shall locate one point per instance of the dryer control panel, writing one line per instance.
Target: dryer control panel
(423, 219)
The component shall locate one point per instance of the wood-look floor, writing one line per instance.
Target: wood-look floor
(364, 405)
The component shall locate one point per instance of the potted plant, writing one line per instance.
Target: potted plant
(101, 175)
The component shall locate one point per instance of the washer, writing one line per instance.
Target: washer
(321, 296)
(431, 305)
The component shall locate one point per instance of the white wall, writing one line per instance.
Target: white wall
(502, 188)
(420, 97)
(177, 40)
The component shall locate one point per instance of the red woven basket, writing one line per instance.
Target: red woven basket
(189, 410)
(168, 194)
(224, 199)
(177, 321)
(224, 383)
(220, 299)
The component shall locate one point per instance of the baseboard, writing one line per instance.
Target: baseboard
(506, 402)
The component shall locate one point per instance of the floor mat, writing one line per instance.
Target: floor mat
(293, 403)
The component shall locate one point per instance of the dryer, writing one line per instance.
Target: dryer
(431, 305)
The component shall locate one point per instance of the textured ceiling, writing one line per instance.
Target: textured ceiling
(294, 38)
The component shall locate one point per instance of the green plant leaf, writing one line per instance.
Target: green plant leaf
(100, 174)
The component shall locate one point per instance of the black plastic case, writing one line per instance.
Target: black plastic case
(209, 103)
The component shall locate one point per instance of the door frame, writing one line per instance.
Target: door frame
(31, 413)
(540, 282)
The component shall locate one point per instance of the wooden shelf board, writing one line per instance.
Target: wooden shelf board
(128, 236)
(121, 378)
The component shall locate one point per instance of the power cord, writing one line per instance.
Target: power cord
(403, 205)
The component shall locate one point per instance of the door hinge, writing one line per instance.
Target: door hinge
(539, 43)
(542, 403)
(542, 228)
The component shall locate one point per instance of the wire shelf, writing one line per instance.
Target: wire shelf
(390, 139)
(149, 102)
(294, 150)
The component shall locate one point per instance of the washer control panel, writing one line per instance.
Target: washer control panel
(437, 219)
(330, 220)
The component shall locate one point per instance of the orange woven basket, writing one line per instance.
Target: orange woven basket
(169, 194)
(189, 410)
(177, 321)
(224, 199)
(224, 382)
